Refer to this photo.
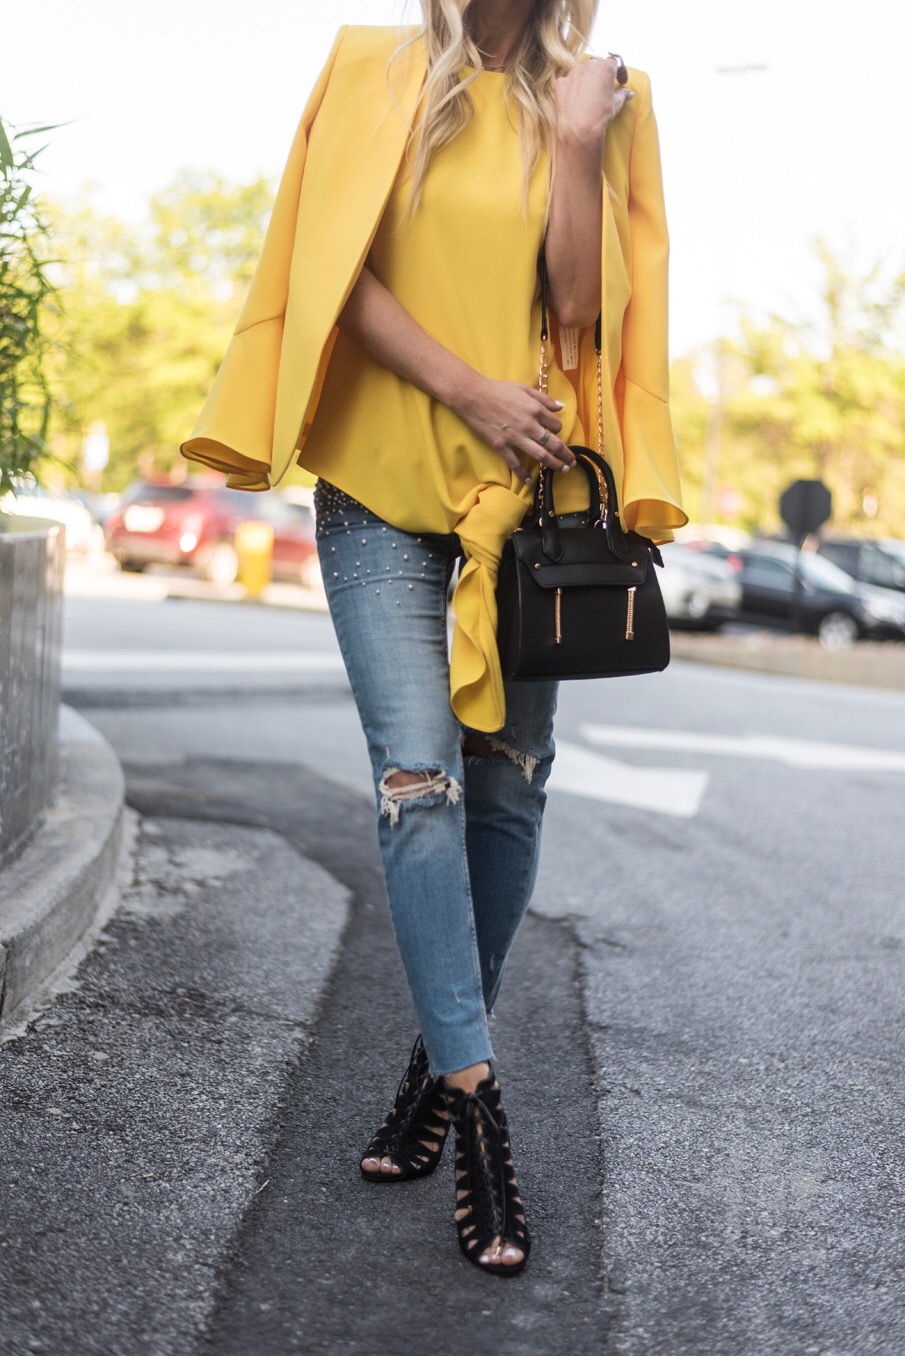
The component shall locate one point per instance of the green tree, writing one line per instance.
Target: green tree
(207, 233)
(149, 312)
(825, 400)
(691, 413)
(26, 300)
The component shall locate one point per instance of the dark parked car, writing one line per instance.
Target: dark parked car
(870, 562)
(830, 604)
(195, 524)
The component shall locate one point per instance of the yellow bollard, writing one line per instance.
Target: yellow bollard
(254, 547)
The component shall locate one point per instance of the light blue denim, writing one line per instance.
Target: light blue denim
(459, 857)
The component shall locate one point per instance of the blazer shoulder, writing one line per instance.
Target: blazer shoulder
(362, 41)
(639, 82)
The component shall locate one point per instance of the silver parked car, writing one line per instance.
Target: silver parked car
(700, 591)
(31, 500)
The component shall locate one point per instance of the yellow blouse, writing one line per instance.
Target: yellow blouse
(469, 253)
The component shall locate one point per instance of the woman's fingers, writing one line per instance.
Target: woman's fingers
(538, 440)
(588, 97)
(516, 466)
(519, 421)
(542, 398)
(552, 453)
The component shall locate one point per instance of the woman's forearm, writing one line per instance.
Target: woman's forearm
(384, 329)
(572, 246)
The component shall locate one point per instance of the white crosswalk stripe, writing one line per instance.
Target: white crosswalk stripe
(803, 753)
(198, 661)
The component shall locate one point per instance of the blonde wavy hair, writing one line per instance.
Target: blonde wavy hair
(554, 41)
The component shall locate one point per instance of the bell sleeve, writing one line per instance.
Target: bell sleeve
(651, 492)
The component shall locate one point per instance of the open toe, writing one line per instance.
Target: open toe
(410, 1141)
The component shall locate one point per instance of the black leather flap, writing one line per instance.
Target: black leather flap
(586, 560)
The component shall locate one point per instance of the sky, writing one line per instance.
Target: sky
(757, 163)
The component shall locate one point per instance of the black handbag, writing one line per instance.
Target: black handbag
(581, 601)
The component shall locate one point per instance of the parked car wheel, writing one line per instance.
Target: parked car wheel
(837, 631)
(697, 605)
(133, 566)
(221, 564)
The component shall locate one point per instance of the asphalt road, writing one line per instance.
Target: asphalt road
(702, 1030)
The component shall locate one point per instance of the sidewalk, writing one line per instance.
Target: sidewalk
(866, 664)
(99, 577)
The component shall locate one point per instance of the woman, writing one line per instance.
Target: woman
(390, 341)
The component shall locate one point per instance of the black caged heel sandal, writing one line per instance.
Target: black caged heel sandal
(488, 1204)
(414, 1132)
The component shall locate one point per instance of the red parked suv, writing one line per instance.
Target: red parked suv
(195, 523)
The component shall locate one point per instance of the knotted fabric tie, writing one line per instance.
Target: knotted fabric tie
(475, 678)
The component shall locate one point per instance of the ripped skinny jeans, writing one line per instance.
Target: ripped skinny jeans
(460, 848)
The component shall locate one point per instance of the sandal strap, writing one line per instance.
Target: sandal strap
(474, 1112)
(417, 1119)
(413, 1083)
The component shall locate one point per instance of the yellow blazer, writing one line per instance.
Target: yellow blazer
(339, 175)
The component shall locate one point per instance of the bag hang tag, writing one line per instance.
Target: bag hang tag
(569, 346)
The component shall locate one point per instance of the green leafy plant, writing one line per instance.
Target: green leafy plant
(27, 298)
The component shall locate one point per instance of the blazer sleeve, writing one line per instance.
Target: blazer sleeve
(234, 432)
(651, 492)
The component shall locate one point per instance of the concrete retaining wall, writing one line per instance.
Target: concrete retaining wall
(31, 608)
(61, 887)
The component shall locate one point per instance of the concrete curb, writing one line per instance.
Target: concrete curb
(867, 664)
(61, 884)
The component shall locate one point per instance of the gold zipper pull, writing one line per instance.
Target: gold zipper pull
(557, 616)
(630, 614)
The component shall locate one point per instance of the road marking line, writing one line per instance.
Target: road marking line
(801, 753)
(131, 661)
(666, 791)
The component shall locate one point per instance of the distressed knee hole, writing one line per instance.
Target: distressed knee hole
(479, 746)
(419, 786)
(487, 746)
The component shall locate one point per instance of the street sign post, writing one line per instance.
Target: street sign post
(804, 506)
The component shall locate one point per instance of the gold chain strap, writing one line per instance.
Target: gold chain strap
(601, 483)
(542, 380)
(542, 383)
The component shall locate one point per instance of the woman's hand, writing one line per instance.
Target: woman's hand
(587, 101)
(512, 419)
